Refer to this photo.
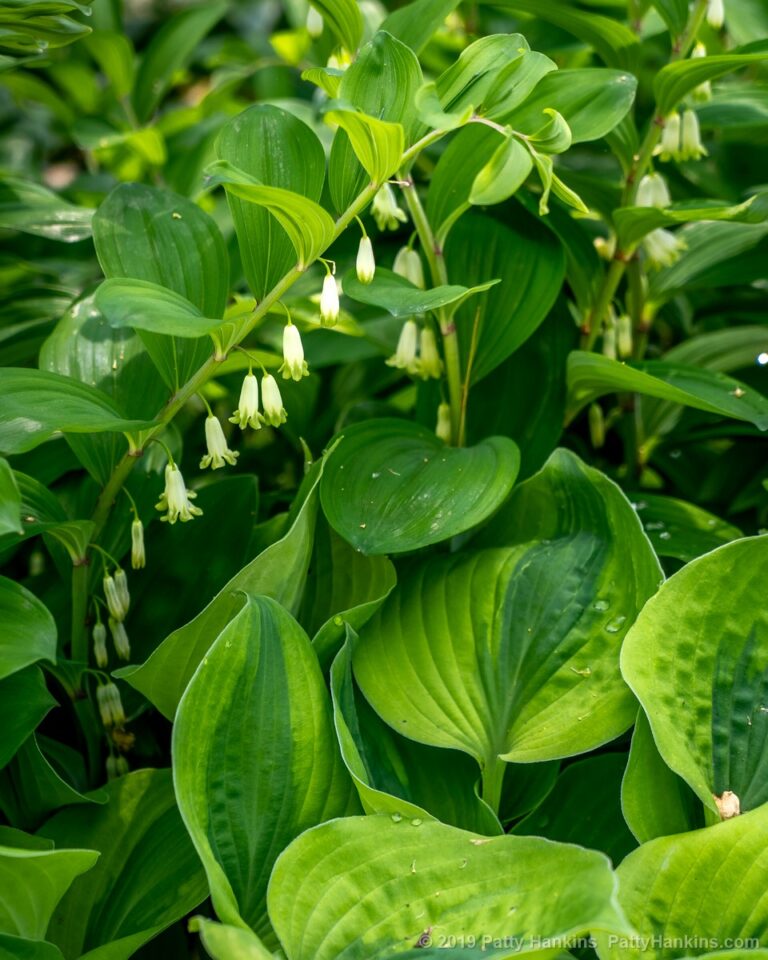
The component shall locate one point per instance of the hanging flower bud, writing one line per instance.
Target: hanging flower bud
(110, 705)
(340, 59)
(274, 411)
(329, 302)
(624, 335)
(609, 342)
(118, 600)
(294, 365)
(669, 146)
(314, 23)
(176, 499)
(366, 263)
(138, 555)
(443, 428)
(218, 451)
(408, 264)
(385, 210)
(117, 767)
(596, 426)
(121, 585)
(716, 14)
(120, 639)
(663, 247)
(429, 364)
(691, 147)
(652, 191)
(247, 413)
(703, 92)
(605, 246)
(100, 645)
(405, 355)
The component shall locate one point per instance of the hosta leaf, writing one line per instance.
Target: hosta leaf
(37, 404)
(675, 885)
(591, 375)
(147, 306)
(530, 259)
(276, 149)
(592, 100)
(147, 876)
(633, 223)
(29, 630)
(696, 661)
(512, 651)
(308, 226)
(344, 19)
(32, 208)
(255, 756)
(279, 572)
(675, 80)
(391, 486)
(401, 298)
(365, 887)
(654, 800)
(378, 144)
(32, 882)
(24, 701)
(10, 501)
(680, 529)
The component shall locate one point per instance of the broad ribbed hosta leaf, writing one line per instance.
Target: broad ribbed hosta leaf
(10, 502)
(278, 150)
(24, 701)
(28, 633)
(696, 661)
(377, 144)
(680, 529)
(344, 19)
(150, 234)
(148, 306)
(591, 376)
(279, 571)
(399, 776)
(365, 888)
(401, 298)
(255, 756)
(512, 651)
(592, 100)
(37, 404)
(654, 800)
(392, 486)
(529, 259)
(147, 875)
(675, 80)
(633, 223)
(32, 882)
(32, 208)
(708, 884)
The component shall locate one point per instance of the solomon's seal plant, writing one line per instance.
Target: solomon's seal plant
(383, 479)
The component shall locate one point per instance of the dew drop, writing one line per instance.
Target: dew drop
(613, 626)
(396, 817)
(665, 535)
(600, 605)
(416, 822)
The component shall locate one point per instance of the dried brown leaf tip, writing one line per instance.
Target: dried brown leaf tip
(728, 804)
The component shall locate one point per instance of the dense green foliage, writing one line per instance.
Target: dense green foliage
(437, 334)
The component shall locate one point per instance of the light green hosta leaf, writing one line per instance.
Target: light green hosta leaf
(29, 630)
(147, 876)
(308, 226)
(225, 942)
(279, 572)
(24, 701)
(401, 298)
(378, 145)
(399, 776)
(708, 883)
(345, 20)
(32, 208)
(675, 80)
(696, 661)
(255, 756)
(392, 486)
(592, 100)
(147, 306)
(10, 502)
(512, 652)
(365, 888)
(37, 404)
(591, 375)
(654, 800)
(633, 223)
(503, 175)
(680, 529)
(32, 882)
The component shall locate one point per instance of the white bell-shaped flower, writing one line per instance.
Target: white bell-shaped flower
(703, 92)
(138, 554)
(663, 248)
(329, 301)
(100, 645)
(117, 598)
(443, 427)
(247, 413)
(120, 639)
(405, 356)
(294, 366)
(110, 705)
(669, 146)
(716, 14)
(691, 147)
(408, 264)
(274, 411)
(176, 499)
(366, 262)
(314, 23)
(218, 451)
(385, 210)
(652, 191)
(430, 364)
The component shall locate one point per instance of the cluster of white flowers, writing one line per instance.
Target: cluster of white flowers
(681, 138)
(417, 352)
(118, 602)
(110, 705)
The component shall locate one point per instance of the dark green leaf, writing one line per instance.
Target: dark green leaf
(147, 306)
